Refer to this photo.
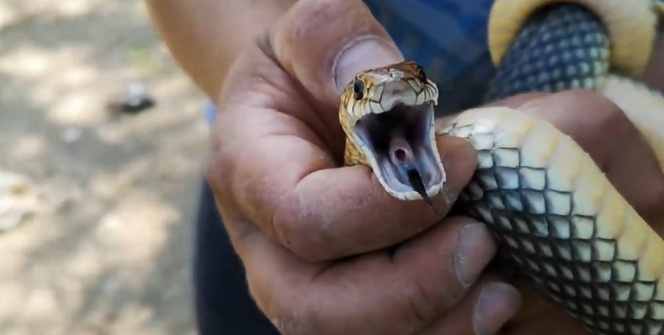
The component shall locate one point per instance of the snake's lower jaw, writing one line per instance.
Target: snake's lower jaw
(401, 148)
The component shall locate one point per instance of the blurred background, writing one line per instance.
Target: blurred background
(96, 204)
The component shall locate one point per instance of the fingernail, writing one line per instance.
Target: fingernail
(497, 304)
(363, 54)
(473, 253)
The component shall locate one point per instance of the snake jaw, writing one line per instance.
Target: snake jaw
(398, 143)
(388, 117)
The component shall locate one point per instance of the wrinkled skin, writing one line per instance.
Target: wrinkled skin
(326, 250)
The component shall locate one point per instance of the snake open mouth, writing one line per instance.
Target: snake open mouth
(400, 141)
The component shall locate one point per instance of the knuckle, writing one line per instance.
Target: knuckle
(312, 250)
(301, 244)
(284, 308)
(307, 14)
(294, 321)
(423, 304)
(652, 206)
(608, 115)
(216, 173)
(301, 234)
(217, 160)
(311, 11)
(284, 226)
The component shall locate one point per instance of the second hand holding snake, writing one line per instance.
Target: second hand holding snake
(554, 213)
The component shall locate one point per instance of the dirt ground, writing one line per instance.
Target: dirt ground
(105, 201)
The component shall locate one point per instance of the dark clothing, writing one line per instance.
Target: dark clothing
(223, 304)
(448, 38)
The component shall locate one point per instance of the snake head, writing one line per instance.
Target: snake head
(388, 117)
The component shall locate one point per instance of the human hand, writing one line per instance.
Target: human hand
(602, 129)
(313, 237)
(318, 240)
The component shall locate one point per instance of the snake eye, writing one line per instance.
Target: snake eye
(358, 89)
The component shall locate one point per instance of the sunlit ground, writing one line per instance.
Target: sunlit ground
(107, 249)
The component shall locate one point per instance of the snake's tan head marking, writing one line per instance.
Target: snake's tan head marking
(388, 117)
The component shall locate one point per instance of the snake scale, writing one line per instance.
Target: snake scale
(554, 213)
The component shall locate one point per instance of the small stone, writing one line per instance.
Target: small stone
(136, 100)
(18, 200)
(71, 135)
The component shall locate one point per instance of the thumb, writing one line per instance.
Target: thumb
(323, 43)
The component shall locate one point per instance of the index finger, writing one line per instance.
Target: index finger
(293, 189)
(383, 292)
(275, 151)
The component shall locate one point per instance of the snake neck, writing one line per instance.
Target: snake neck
(565, 46)
(560, 47)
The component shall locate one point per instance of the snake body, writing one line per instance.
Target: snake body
(555, 214)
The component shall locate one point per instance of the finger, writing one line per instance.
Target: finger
(320, 211)
(601, 128)
(653, 76)
(377, 293)
(485, 310)
(540, 315)
(273, 165)
(324, 43)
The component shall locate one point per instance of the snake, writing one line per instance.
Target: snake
(555, 215)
